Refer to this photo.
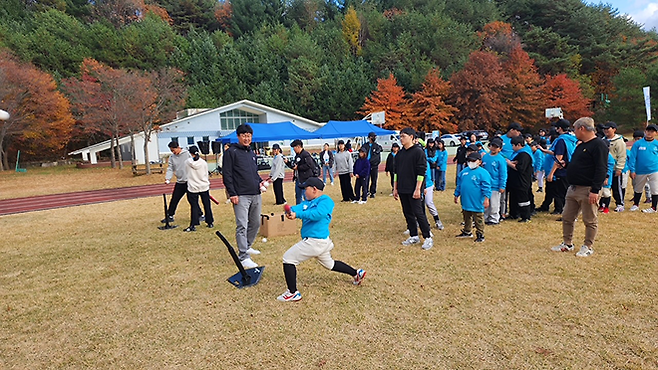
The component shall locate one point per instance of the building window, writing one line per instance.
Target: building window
(206, 138)
(190, 140)
(232, 119)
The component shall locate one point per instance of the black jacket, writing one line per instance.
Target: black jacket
(241, 171)
(409, 164)
(460, 157)
(521, 178)
(375, 152)
(305, 164)
(331, 157)
(390, 163)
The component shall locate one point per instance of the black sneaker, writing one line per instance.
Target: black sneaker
(464, 235)
(211, 225)
(168, 218)
(480, 238)
(540, 190)
(372, 196)
(524, 220)
(189, 229)
(490, 223)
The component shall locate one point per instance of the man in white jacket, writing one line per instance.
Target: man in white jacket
(198, 184)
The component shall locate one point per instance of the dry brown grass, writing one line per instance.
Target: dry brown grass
(100, 287)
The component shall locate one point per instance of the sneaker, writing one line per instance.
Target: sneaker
(363, 202)
(465, 234)
(253, 252)
(619, 209)
(562, 248)
(649, 210)
(439, 225)
(411, 240)
(202, 218)
(332, 184)
(606, 210)
(355, 201)
(585, 252)
(648, 200)
(601, 208)
(634, 208)
(360, 275)
(406, 232)
(211, 225)
(289, 297)
(189, 229)
(524, 220)
(168, 218)
(540, 190)
(248, 263)
(372, 196)
(428, 243)
(480, 238)
(490, 223)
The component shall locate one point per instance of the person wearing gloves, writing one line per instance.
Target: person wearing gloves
(198, 184)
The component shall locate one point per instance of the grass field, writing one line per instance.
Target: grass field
(101, 287)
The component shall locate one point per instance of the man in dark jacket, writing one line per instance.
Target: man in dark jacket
(408, 186)
(460, 156)
(519, 181)
(374, 155)
(243, 185)
(304, 165)
(390, 163)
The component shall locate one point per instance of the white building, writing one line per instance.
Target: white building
(196, 125)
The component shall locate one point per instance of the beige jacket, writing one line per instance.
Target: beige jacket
(618, 151)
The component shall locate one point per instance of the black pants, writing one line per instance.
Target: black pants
(278, 191)
(346, 187)
(617, 192)
(519, 203)
(414, 214)
(180, 189)
(548, 196)
(560, 192)
(374, 174)
(361, 188)
(195, 210)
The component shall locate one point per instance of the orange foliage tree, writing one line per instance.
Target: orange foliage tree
(477, 93)
(390, 98)
(523, 93)
(41, 120)
(499, 37)
(223, 13)
(562, 92)
(428, 108)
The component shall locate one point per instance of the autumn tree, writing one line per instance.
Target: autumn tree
(429, 110)
(477, 93)
(523, 94)
(562, 92)
(352, 31)
(390, 98)
(41, 119)
(499, 37)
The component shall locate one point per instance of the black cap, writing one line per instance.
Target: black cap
(652, 127)
(363, 149)
(276, 146)
(472, 147)
(515, 126)
(372, 134)
(638, 133)
(610, 124)
(296, 142)
(193, 150)
(497, 142)
(314, 182)
(475, 156)
(562, 123)
(395, 145)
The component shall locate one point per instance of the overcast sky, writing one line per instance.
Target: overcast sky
(641, 11)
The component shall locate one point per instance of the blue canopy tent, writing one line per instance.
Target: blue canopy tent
(336, 129)
(272, 132)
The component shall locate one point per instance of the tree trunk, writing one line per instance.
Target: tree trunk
(147, 136)
(132, 149)
(119, 156)
(113, 160)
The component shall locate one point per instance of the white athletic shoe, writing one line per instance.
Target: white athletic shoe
(411, 240)
(649, 210)
(634, 208)
(562, 247)
(428, 243)
(362, 202)
(585, 252)
(253, 251)
(619, 209)
(406, 232)
(248, 263)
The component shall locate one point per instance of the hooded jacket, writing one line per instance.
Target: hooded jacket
(618, 151)
(176, 166)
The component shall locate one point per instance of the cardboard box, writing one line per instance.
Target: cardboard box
(276, 225)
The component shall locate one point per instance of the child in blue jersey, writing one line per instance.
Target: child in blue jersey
(315, 213)
(643, 165)
(496, 165)
(441, 165)
(474, 189)
(606, 189)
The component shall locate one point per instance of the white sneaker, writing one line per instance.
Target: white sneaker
(248, 263)
(428, 243)
(619, 209)
(332, 184)
(439, 225)
(362, 202)
(649, 210)
(355, 201)
(411, 240)
(634, 208)
(253, 251)
(406, 232)
(562, 248)
(585, 252)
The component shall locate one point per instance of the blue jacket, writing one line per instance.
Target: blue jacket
(538, 160)
(442, 160)
(496, 165)
(428, 177)
(362, 167)
(506, 150)
(472, 187)
(316, 216)
(644, 157)
(611, 167)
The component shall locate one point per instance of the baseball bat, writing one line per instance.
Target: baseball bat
(213, 199)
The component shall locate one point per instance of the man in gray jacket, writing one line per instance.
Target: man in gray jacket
(618, 152)
(176, 167)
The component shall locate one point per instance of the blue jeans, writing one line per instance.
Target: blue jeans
(300, 193)
(440, 177)
(326, 169)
